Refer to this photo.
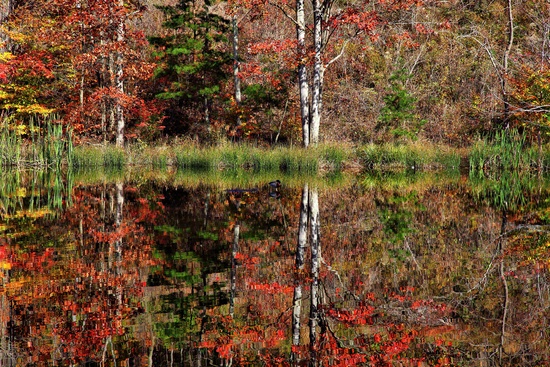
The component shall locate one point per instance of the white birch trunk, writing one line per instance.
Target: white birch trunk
(236, 232)
(236, 67)
(119, 84)
(302, 71)
(299, 264)
(315, 265)
(318, 70)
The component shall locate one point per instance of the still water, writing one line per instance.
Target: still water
(202, 269)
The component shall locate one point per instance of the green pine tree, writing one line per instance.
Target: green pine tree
(193, 60)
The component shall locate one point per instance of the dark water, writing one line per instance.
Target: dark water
(152, 270)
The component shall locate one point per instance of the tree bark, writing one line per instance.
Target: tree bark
(302, 71)
(315, 266)
(506, 57)
(236, 232)
(299, 266)
(6, 8)
(236, 67)
(318, 70)
(119, 83)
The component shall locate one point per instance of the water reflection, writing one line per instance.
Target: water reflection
(380, 271)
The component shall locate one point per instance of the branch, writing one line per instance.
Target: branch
(534, 109)
(341, 53)
(285, 13)
(497, 67)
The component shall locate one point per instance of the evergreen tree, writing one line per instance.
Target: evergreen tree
(194, 62)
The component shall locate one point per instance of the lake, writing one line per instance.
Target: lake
(218, 268)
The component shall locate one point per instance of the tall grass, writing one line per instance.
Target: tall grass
(40, 142)
(98, 156)
(248, 157)
(502, 169)
(506, 151)
(412, 156)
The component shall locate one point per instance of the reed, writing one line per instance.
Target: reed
(98, 156)
(38, 142)
(232, 157)
(34, 193)
(507, 150)
(413, 156)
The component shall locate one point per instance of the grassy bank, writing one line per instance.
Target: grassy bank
(53, 148)
(324, 158)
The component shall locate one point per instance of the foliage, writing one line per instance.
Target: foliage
(62, 60)
(193, 64)
(398, 114)
(532, 99)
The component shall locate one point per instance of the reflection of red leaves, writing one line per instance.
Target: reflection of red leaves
(359, 316)
(249, 262)
(271, 288)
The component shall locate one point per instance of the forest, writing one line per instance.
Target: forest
(276, 71)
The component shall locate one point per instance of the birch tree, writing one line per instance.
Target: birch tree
(330, 32)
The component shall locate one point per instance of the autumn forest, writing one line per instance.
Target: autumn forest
(274, 183)
(276, 71)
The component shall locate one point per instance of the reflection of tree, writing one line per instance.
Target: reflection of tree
(85, 273)
(309, 218)
(514, 193)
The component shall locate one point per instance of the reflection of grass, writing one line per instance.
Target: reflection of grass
(33, 192)
(406, 181)
(222, 179)
(509, 190)
(502, 170)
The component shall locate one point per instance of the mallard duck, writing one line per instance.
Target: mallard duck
(275, 184)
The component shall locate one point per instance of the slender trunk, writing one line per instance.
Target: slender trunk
(119, 84)
(302, 71)
(6, 8)
(315, 265)
(236, 231)
(236, 68)
(299, 265)
(207, 114)
(318, 70)
(506, 296)
(505, 98)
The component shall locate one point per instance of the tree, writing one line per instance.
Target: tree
(333, 29)
(80, 60)
(193, 64)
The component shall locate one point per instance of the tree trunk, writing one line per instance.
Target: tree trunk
(506, 57)
(318, 71)
(236, 231)
(299, 265)
(315, 266)
(119, 84)
(302, 71)
(6, 8)
(236, 68)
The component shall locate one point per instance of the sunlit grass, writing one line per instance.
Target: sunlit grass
(35, 143)
(415, 156)
(506, 151)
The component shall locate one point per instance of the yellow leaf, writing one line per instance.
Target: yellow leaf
(35, 108)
